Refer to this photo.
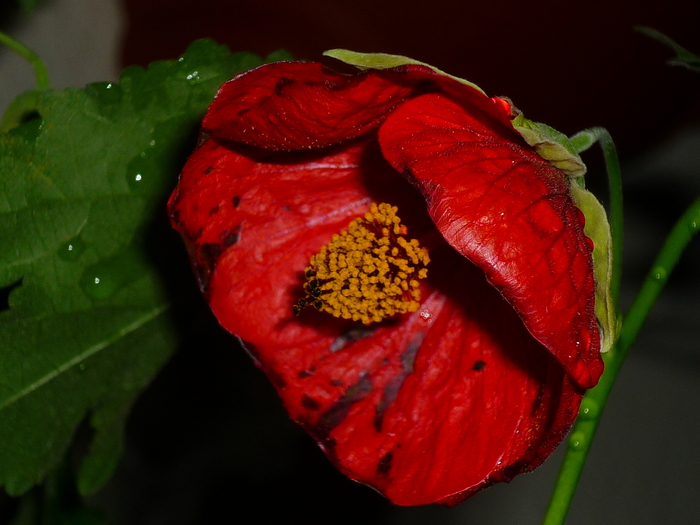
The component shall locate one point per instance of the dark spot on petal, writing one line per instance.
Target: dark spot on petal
(236, 201)
(339, 410)
(378, 419)
(391, 390)
(336, 382)
(408, 357)
(214, 211)
(210, 252)
(305, 373)
(209, 170)
(286, 208)
(384, 362)
(281, 83)
(275, 378)
(197, 235)
(309, 403)
(230, 237)
(384, 465)
(354, 334)
(207, 255)
(243, 111)
(478, 365)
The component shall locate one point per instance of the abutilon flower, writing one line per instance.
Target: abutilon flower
(406, 260)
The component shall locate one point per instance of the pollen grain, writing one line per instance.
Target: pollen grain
(368, 272)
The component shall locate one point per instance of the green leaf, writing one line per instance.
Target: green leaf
(84, 241)
(683, 57)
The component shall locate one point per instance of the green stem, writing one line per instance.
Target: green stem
(40, 71)
(591, 408)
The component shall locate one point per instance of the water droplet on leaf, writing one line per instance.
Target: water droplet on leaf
(102, 280)
(72, 249)
(154, 170)
(106, 93)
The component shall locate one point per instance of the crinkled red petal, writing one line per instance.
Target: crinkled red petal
(290, 106)
(429, 407)
(508, 211)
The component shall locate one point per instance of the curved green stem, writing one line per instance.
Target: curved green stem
(591, 408)
(40, 71)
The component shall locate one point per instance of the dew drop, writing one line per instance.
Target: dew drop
(98, 282)
(141, 175)
(81, 366)
(589, 409)
(106, 93)
(577, 441)
(193, 76)
(102, 280)
(426, 315)
(72, 249)
(659, 273)
(153, 170)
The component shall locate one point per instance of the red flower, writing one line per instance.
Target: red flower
(485, 378)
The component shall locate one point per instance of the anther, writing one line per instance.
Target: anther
(368, 272)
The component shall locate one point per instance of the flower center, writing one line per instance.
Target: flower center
(368, 272)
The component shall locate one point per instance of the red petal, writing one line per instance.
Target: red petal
(430, 407)
(295, 105)
(511, 213)
(260, 216)
(438, 405)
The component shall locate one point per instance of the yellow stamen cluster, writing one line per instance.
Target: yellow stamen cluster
(368, 272)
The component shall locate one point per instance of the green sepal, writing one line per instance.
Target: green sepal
(386, 61)
(597, 229)
(549, 144)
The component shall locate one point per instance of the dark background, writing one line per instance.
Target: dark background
(208, 441)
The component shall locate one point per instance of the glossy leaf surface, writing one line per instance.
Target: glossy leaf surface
(88, 321)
